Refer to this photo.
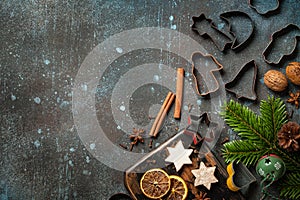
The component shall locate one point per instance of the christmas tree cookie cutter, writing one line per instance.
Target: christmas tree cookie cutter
(285, 31)
(233, 85)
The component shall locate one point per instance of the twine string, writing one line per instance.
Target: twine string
(265, 187)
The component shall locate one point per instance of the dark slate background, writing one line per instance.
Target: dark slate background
(43, 43)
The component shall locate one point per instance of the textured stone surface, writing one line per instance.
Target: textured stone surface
(43, 43)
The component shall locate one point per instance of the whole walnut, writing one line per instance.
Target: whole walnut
(293, 72)
(275, 80)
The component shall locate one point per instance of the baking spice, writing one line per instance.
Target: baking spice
(123, 146)
(150, 143)
(131, 178)
(186, 173)
(210, 159)
(162, 114)
(179, 92)
(136, 137)
(201, 196)
(294, 98)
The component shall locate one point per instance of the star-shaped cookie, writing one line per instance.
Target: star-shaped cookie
(204, 176)
(179, 155)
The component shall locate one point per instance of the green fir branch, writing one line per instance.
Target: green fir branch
(243, 151)
(292, 161)
(273, 114)
(290, 187)
(259, 137)
(245, 122)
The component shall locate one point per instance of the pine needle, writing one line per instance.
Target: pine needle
(290, 187)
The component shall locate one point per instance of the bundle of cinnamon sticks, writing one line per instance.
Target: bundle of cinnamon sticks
(168, 103)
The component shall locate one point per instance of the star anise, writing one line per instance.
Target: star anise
(136, 137)
(294, 98)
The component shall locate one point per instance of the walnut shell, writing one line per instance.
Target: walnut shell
(293, 72)
(275, 80)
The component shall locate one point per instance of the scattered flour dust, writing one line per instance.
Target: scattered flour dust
(119, 50)
(37, 100)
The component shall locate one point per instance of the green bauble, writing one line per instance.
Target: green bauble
(270, 166)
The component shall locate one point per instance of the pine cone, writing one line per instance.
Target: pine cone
(289, 136)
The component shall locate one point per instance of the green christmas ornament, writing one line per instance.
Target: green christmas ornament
(271, 167)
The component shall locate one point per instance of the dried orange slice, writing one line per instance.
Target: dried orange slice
(178, 190)
(155, 183)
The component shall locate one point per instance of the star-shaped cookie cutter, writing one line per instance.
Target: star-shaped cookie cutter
(215, 32)
(228, 38)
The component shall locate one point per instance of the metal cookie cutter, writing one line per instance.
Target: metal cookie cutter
(291, 32)
(205, 65)
(120, 196)
(202, 125)
(235, 35)
(239, 177)
(206, 28)
(238, 87)
(255, 5)
(241, 27)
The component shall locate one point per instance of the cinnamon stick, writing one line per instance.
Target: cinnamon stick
(161, 114)
(179, 91)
